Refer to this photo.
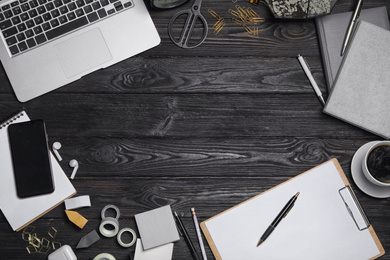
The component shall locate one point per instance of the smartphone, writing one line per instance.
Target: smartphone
(30, 158)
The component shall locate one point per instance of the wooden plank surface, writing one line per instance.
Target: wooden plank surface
(207, 128)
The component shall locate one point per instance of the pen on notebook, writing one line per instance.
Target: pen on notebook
(351, 25)
(198, 233)
(186, 236)
(313, 83)
(286, 209)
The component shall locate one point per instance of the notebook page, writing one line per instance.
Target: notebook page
(318, 226)
(20, 212)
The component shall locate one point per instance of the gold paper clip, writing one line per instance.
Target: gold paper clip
(52, 232)
(26, 237)
(45, 243)
(252, 12)
(56, 245)
(213, 13)
(219, 27)
(28, 229)
(35, 241)
(31, 249)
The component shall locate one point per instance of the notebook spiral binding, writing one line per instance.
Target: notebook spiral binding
(8, 122)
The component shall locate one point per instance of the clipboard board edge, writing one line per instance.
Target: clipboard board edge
(209, 240)
(377, 242)
(342, 176)
(370, 228)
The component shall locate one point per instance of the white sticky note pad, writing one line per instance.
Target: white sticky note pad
(157, 227)
(161, 253)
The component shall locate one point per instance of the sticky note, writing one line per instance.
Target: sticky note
(157, 227)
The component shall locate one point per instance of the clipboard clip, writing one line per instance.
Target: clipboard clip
(354, 208)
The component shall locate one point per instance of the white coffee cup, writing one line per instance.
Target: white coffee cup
(365, 168)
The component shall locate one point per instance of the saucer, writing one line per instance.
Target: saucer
(361, 181)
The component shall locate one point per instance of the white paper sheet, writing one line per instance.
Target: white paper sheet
(161, 253)
(319, 226)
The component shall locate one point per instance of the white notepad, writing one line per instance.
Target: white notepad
(161, 253)
(20, 212)
(319, 226)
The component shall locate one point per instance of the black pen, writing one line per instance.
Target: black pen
(286, 209)
(186, 236)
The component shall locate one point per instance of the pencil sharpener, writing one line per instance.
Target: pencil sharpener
(299, 9)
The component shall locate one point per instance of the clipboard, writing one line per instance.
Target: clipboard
(327, 222)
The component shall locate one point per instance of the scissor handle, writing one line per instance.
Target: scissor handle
(189, 25)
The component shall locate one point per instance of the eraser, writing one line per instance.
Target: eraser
(78, 202)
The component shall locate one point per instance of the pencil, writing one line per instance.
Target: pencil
(198, 233)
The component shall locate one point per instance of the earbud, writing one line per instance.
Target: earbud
(57, 146)
(74, 164)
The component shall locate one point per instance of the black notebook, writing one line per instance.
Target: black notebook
(331, 33)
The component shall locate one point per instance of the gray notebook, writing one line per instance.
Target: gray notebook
(361, 91)
(331, 33)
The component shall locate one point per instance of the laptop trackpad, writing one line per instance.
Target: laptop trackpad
(83, 52)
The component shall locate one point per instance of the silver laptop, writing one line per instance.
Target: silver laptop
(46, 44)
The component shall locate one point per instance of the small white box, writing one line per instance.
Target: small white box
(63, 253)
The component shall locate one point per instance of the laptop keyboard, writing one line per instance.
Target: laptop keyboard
(26, 24)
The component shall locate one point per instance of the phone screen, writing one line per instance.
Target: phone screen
(30, 157)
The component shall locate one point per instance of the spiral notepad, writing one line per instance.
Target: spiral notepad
(21, 212)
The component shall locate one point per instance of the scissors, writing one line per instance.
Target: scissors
(193, 15)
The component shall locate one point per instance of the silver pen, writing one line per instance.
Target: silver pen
(351, 26)
(313, 83)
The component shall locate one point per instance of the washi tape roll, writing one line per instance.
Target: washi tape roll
(103, 214)
(104, 256)
(119, 237)
(109, 232)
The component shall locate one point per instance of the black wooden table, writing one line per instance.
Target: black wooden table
(207, 127)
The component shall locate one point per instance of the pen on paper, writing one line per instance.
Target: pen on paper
(351, 25)
(286, 209)
(198, 234)
(313, 83)
(183, 230)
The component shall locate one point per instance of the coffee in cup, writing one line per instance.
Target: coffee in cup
(376, 164)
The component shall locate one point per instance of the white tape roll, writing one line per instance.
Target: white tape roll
(103, 214)
(119, 237)
(109, 232)
(104, 256)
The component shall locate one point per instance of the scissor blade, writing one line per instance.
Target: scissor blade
(188, 28)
